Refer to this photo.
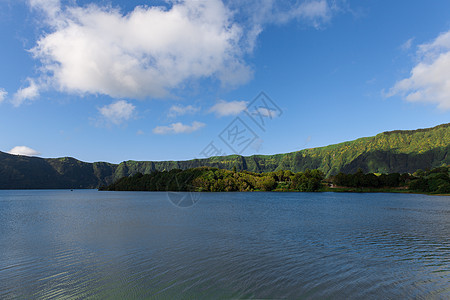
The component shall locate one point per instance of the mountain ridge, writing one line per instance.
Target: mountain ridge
(389, 151)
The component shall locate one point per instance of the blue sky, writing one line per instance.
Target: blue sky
(154, 80)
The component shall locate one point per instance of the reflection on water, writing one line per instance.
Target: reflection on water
(229, 245)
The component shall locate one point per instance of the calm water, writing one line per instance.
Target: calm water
(229, 245)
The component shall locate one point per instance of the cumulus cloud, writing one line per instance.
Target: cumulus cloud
(117, 112)
(429, 80)
(179, 110)
(232, 108)
(144, 53)
(23, 150)
(3, 94)
(152, 51)
(28, 93)
(177, 128)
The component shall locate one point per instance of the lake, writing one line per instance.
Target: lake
(85, 243)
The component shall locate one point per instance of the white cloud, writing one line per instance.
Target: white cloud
(3, 94)
(152, 51)
(232, 108)
(429, 81)
(23, 150)
(144, 53)
(30, 92)
(179, 110)
(176, 128)
(117, 112)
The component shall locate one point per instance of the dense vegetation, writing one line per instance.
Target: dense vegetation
(388, 152)
(207, 179)
(371, 180)
(436, 181)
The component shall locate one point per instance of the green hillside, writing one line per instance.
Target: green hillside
(387, 152)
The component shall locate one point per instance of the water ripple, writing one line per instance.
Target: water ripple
(87, 244)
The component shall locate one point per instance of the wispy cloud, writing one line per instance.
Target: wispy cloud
(50, 7)
(223, 108)
(265, 112)
(29, 93)
(23, 150)
(180, 110)
(117, 112)
(262, 13)
(429, 80)
(3, 95)
(407, 45)
(315, 12)
(177, 128)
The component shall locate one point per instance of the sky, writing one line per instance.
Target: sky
(124, 80)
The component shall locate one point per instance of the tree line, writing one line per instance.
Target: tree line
(206, 179)
(435, 181)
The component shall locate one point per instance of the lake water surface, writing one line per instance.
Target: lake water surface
(229, 245)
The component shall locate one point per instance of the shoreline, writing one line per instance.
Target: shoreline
(326, 190)
(382, 190)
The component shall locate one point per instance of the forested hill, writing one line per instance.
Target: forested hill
(395, 151)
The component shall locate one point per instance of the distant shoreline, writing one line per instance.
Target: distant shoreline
(325, 190)
(373, 190)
